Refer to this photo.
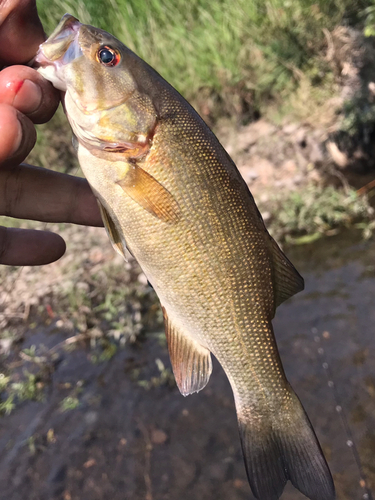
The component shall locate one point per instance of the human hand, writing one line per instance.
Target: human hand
(26, 191)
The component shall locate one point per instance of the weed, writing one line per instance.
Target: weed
(165, 377)
(31, 445)
(69, 403)
(30, 352)
(72, 402)
(30, 387)
(368, 15)
(303, 216)
(108, 350)
(4, 381)
(7, 406)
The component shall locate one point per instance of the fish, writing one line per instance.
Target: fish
(170, 195)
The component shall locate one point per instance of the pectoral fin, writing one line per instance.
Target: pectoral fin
(150, 194)
(191, 363)
(114, 235)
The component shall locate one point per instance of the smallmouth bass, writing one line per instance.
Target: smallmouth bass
(171, 195)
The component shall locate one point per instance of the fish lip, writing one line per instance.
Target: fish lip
(60, 41)
(61, 48)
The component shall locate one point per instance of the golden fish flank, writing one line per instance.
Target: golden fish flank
(171, 194)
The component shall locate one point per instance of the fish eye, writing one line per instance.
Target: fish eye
(108, 56)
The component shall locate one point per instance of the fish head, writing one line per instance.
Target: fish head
(105, 105)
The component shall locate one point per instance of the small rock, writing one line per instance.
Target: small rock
(289, 166)
(238, 483)
(316, 153)
(90, 463)
(83, 286)
(142, 279)
(297, 179)
(158, 436)
(91, 417)
(249, 174)
(96, 255)
(290, 128)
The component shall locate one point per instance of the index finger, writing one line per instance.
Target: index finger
(21, 31)
(29, 192)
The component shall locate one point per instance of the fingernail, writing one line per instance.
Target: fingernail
(28, 98)
(25, 137)
(17, 142)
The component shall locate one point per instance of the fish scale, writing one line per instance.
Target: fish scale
(170, 193)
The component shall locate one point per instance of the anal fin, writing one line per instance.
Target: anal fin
(191, 362)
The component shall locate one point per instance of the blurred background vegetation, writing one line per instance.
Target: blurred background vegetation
(245, 55)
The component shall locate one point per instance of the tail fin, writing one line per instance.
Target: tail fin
(279, 447)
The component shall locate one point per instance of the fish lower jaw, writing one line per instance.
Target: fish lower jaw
(49, 73)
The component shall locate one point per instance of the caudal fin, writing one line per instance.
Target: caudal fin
(278, 448)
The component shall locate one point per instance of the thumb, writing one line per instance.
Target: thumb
(21, 31)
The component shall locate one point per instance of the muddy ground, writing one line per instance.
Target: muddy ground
(133, 436)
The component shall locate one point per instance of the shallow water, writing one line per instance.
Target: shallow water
(125, 442)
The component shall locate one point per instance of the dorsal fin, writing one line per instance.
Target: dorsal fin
(118, 242)
(287, 280)
(191, 363)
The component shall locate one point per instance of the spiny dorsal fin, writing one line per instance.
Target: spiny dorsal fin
(114, 235)
(287, 280)
(191, 363)
(150, 194)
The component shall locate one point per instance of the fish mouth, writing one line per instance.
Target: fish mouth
(59, 49)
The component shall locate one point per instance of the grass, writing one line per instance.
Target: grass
(239, 54)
